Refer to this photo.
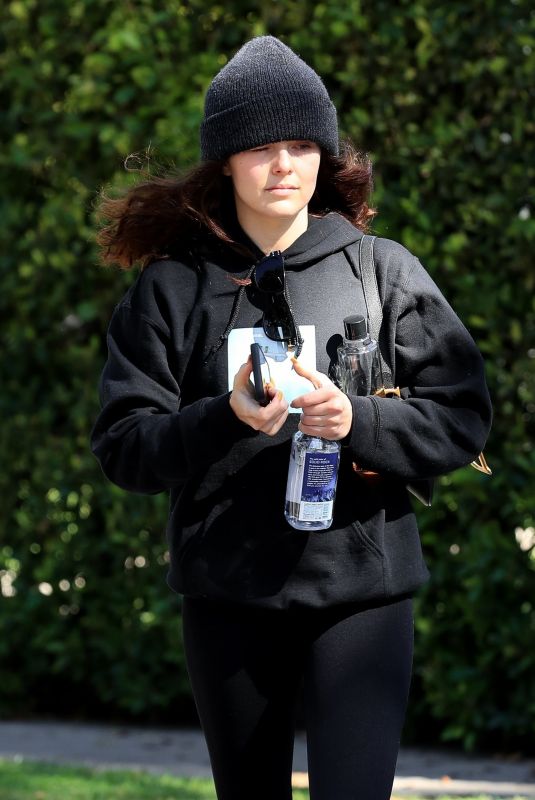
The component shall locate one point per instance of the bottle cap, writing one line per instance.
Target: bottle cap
(355, 327)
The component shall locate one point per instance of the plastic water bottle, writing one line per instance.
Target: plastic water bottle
(358, 370)
(311, 487)
(314, 462)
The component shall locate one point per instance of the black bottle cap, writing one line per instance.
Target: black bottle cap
(355, 327)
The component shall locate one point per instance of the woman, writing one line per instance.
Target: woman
(266, 607)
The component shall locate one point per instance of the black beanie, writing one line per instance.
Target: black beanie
(266, 93)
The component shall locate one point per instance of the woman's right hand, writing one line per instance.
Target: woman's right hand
(268, 419)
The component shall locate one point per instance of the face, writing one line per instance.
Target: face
(275, 180)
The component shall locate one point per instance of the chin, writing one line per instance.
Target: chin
(283, 210)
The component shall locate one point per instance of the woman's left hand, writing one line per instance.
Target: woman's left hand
(327, 412)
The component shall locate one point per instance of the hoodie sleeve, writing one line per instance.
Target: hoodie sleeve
(444, 418)
(142, 438)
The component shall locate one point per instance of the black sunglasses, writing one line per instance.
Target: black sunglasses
(277, 319)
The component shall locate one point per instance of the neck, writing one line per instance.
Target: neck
(270, 233)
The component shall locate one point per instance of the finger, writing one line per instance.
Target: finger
(276, 411)
(312, 430)
(315, 422)
(272, 392)
(261, 418)
(315, 398)
(327, 432)
(276, 406)
(277, 402)
(315, 378)
(271, 430)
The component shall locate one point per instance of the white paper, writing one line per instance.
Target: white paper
(283, 376)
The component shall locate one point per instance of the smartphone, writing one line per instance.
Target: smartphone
(261, 374)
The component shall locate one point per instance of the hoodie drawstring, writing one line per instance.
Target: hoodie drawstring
(233, 317)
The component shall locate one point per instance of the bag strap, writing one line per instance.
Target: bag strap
(372, 299)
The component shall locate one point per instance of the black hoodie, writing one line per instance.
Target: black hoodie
(166, 423)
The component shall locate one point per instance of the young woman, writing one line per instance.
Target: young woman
(268, 608)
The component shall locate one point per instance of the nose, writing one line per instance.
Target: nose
(282, 162)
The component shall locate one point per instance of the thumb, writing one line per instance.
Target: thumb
(317, 379)
(241, 378)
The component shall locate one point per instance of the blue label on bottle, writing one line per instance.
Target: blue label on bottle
(319, 479)
(320, 473)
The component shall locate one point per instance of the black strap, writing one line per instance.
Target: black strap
(372, 299)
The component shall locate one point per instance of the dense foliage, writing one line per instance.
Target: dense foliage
(439, 95)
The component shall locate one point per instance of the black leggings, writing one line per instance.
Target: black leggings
(247, 666)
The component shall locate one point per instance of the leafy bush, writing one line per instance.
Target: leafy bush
(438, 94)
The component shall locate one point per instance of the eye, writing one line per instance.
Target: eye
(258, 149)
(303, 147)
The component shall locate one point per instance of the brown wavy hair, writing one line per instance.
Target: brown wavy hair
(165, 214)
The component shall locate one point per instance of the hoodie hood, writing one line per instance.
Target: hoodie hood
(323, 237)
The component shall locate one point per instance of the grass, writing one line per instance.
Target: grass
(29, 780)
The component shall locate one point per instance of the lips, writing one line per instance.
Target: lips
(272, 188)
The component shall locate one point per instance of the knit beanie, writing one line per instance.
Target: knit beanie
(266, 93)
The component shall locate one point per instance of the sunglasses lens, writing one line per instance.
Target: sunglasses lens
(269, 274)
(278, 323)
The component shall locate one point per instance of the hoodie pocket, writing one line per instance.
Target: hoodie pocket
(366, 540)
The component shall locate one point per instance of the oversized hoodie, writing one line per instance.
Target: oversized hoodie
(166, 423)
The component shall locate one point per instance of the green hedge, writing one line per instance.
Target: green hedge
(440, 97)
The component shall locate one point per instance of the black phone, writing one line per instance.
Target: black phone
(261, 374)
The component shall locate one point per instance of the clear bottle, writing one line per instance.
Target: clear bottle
(314, 462)
(312, 478)
(358, 369)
